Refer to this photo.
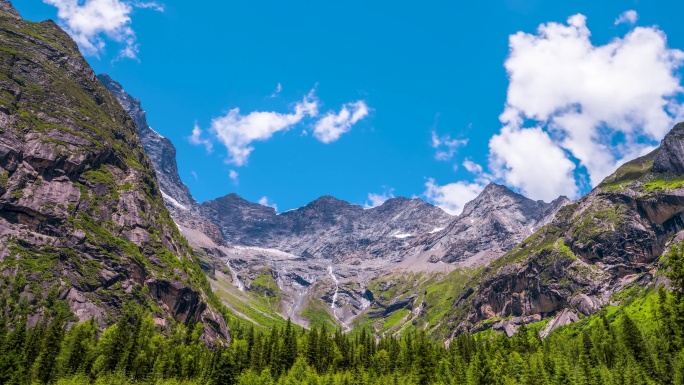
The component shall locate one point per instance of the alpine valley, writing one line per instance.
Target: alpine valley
(111, 272)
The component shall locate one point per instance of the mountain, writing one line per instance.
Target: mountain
(81, 214)
(490, 225)
(607, 241)
(203, 236)
(331, 259)
(326, 228)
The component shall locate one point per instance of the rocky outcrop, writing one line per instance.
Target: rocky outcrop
(327, 228)
(593, 248)
(6, 9)
(183, 207)
(493, 223)
(80, 207)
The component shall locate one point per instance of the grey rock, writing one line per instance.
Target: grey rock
(7, 9)
(494, 222)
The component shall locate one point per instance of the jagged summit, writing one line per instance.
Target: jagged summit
(7, 9)
(177, 197)
(669, 157)
(491, 224)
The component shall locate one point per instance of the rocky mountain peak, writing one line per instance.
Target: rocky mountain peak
(7, 9)
(177, 198)
(491, 224)
(670, 156)
(161, 151)
(329, 203)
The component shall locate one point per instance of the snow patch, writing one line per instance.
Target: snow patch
(437, 230)
(173, 201)
(402, 235)
(158, 134)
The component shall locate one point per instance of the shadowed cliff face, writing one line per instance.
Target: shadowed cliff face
(80, 206)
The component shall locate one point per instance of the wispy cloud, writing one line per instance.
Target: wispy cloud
(332, 125)
(233, 175)
(197, 138)
(237, 132)
(150, 5)
(629, 17)
(264, 201)
(277, 91)
(91, 22)
(375, 200)
(446, 146)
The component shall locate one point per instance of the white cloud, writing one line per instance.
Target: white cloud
(375, 200)
(451, 197)
(332, 125)
(194, 175)
(279, 88)
(446, 146)
(150, 5)
(237, 132)
(233, 175)
(264, 201)
(89, 21)
(197, 139)
(472, 167)
(630, 17)
(601, 105)
(529, 160)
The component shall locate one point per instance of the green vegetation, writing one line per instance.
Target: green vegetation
(318, 315)
(639, 342)
(244, 306)
(663, 182)
(629, 172)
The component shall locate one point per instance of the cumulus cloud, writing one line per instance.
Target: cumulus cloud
(375, 200)
(630, 17)
(332, 125)
(264, 201)
(89, 22)
(237, 132)
(529, 160)
(446, 146)
(451, 197)
(197, 138)
(599, 105)
(233, 175)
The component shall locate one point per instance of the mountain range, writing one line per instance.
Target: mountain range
(93, 212)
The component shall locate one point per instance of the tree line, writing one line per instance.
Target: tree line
(610, 350)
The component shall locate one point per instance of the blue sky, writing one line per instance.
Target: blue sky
(424, 84)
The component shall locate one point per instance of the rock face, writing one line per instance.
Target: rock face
(203, 236)
(490, 225)
(8, 10)
(610, 238)
(327, 228)
(80, 207)
(330, 246)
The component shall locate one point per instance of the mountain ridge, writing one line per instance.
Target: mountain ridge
(81, 214)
